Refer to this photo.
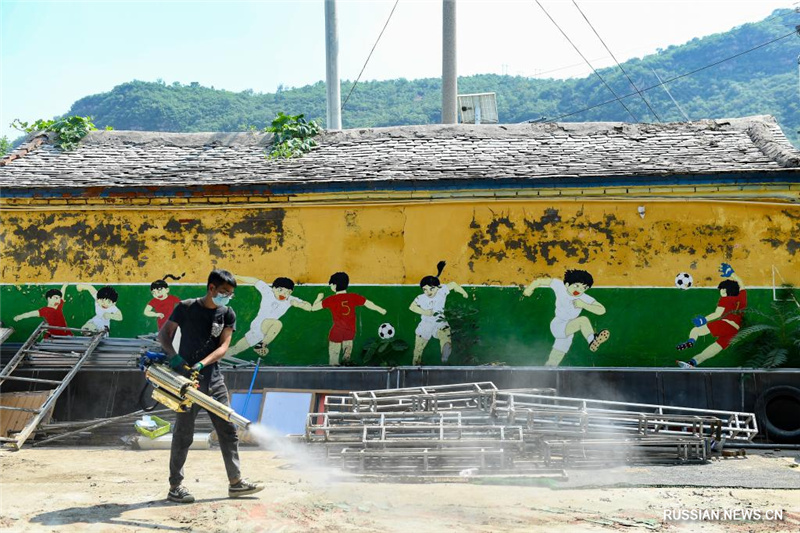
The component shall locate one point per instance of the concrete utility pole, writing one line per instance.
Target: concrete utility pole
(449, 71)
(334, 116)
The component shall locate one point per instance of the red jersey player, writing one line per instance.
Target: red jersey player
(52, 313)
(723, 323)
(342, 306)
(162, 304)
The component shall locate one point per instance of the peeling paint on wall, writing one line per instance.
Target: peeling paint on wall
(486, 242)
(785, 235)
(619, 244)
(47, 241)
(132, 246)
(491, 247)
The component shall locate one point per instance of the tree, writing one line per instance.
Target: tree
(762, 81)
(5, 146)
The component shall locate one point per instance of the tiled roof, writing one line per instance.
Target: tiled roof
(752, 145)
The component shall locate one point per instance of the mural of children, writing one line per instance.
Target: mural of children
(571, 299)
(430, 306)
(52, 313)
(276, 299)
(342, 306)
(104, 307)
(723, 323)
(162, 304)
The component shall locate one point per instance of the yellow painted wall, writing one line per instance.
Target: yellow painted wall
(484, 241)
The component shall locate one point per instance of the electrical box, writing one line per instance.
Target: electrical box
(479, 108)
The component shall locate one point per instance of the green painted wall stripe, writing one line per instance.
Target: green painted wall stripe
(645, 323)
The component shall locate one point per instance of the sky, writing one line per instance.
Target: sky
(54, 52)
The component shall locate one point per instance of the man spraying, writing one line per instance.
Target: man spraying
(207, 325)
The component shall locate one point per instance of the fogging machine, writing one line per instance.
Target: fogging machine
(179, 393)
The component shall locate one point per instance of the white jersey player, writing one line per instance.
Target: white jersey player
(430, 306)
(276, 299)
(571, 299)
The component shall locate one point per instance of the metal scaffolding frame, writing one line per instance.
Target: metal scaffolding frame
(58, 352)
(73, 360)
(113, 353)
(624, 417)
(613, 452)
(428, 461)
(437, 398)
(477, 428)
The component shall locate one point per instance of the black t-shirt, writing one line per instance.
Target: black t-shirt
(200, 329)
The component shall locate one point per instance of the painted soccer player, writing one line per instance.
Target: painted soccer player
(162, 304)
(342, 306)
(430, 306)
(723, 323)
(276, 299)
(52, 313)
(105, 307)
(571, 299)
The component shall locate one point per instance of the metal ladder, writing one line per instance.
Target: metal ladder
(30, 348)
(5, 333)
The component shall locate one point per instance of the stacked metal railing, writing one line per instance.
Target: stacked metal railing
(438, 398)
(113, 353)
(598, 416)
(60, 352)
(478, 428)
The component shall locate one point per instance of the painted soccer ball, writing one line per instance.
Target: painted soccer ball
(386, 331)
(683, 280)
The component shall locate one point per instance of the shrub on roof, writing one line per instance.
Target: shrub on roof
(68, 130)
(293, 136)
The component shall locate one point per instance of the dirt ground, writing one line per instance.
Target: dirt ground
(114, 489)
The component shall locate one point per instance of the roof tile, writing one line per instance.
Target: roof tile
(410, 153)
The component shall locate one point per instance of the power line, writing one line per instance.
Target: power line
(670, 95)
(780, 15)
(565, 67)
(538, 74)
(370, 54)
(679, 76)
(618, 99)
(653, 111)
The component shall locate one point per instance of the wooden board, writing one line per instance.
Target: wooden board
(11, 421)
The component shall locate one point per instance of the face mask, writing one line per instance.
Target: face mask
(221, 300)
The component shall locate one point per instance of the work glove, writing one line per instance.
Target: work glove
(197, 367)
(699, 321)
(726, 270)
(177, 363)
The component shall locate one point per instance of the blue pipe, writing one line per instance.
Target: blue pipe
(250, 390)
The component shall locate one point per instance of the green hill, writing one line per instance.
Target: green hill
(764, 81)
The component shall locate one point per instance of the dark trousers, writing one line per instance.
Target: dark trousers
(183, 433)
